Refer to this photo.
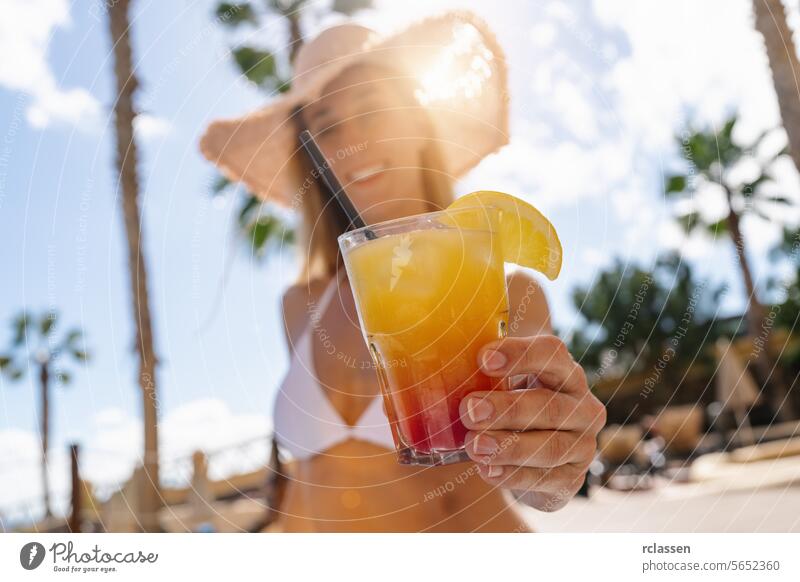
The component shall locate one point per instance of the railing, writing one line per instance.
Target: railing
(175, 473)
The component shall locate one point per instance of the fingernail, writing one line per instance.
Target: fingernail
(493, 360)
(484, 445)
(479, 409)
(494, 471)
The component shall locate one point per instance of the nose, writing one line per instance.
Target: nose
(355, 131)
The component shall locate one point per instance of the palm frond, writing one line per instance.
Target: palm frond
(777, 199)
(675, 184)
(72, 338)
(233, 14)
(689, 221)
(718, 228)
(259, 66)
(47, 322)
(20, 325)
(219, 184)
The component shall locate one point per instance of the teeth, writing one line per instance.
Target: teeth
(365, 173)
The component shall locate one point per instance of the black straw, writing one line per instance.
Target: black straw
(332, 182)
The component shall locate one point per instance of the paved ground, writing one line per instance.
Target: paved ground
(678, 508)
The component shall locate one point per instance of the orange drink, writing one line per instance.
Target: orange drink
(430, 292)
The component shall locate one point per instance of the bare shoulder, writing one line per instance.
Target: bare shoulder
(529, 313)
(296, 307)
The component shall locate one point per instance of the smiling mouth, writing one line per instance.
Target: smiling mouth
(366, 173)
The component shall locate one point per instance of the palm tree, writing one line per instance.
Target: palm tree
(34, 344)
(127, 158)
(709, 156)
(770, 21)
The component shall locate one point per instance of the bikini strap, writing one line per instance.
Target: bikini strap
(321, 306)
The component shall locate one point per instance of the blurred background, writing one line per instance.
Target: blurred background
(662, 139)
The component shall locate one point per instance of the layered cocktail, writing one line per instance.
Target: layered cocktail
(430, 291)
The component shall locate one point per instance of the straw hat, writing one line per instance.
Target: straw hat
(455, 60)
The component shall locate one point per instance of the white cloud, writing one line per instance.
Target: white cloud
(759, 234)
(74, 106)
(20, 467)
(670, 235)
(577, 114)
(703, 57)
(543, 34)
(151, 127)
(560, 11)
(696, 246)
(554, 175)
(208, 425)
(25, 32)
(594, 257)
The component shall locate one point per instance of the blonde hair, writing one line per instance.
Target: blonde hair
(320, 220)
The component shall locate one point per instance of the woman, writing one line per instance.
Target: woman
(399, 119)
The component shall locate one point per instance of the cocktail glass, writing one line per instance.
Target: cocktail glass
(430, 291)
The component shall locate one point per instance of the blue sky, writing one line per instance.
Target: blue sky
(598, 89)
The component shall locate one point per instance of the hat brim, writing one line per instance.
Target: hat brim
(468, 100)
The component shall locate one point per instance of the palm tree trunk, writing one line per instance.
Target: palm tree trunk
(755, 314)
(150, 498)
(770, 21)
(44, 381)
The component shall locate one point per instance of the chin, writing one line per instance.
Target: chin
(409, 208)
(391, 212)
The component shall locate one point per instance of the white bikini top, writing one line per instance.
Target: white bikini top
(305, 421)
